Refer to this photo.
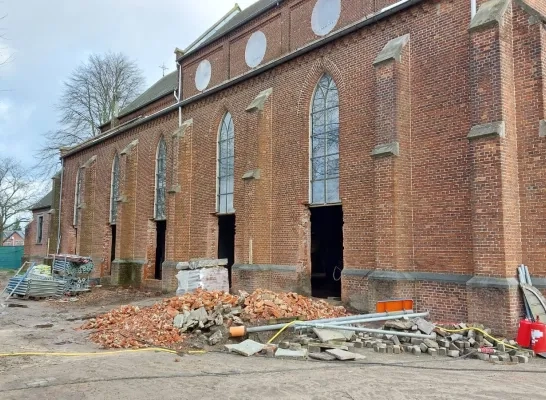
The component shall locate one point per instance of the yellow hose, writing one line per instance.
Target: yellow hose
(479, 330)
(281, 331)
(104, 353)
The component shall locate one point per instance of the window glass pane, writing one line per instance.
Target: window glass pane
(332, 116)
(230, 185)
(332, 190)
(332, 143)
(229, 199)
(223, 185)
(318, 145)
(332, 166)
(318, 166)
(230, 148)
(222, 203)
(318, 192)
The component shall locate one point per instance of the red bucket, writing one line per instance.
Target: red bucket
(538, 337)
(524, 333)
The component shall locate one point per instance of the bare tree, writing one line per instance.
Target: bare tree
(18, 192)
(92, 95)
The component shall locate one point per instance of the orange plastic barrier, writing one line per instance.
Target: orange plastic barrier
(394, 305)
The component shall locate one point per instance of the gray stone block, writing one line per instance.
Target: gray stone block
(504, 357)
(416, 350)
(396, 349)
(322, 356)
(453, 346)
(523, 359)
(514, 359)
(416, 341)
(490, 12)
(246, 348)
(483, 357)
(392, 50)
(291, 353)
(314, 349)
(501, 347)
(433, 352)
(423, 348)
(493, 358)
(442, 351)
(424, 326)
(389, 349)
(294, 346)
(431, 343)
(453, 353)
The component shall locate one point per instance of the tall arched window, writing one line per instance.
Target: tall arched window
(114, 190)
(226, 159)
(77, 196)
(325, 143)
(160, 180)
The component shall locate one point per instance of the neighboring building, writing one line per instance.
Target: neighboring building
(42, 231)
(13, 238)
(373, 149)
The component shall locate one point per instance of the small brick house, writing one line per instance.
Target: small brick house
(13, 238)
(368, 149)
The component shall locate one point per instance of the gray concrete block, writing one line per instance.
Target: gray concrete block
(504, 357)
(291, 353)
(294, 346)
(416, 341)
(453, 346)
(423, 348)
(501, 347)
(493, 358)
(342, 355)
(389, 349)
(523, 359)
(416, 350)
(453, 353)
(396, 349)
(431, 343)
(483, 357)
(322, 356)
(432, 352)
(358, 345)
(514, 359)
(247, 348)
(442, 351)
(314, 349)
(284, 345)
(424, 326)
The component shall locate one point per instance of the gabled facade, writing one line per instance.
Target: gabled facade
(368, 149)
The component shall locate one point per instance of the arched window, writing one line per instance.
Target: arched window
(160, 180)
(78, 197)
(114, 190)
(325, 143)
(225, 166)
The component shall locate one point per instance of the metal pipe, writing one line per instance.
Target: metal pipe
(366, 320)
(348, 319)
(368, 330)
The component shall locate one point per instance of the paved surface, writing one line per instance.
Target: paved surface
(228, 376)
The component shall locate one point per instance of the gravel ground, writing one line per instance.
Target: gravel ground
(150, 375)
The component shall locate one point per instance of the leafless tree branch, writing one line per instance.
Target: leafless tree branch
(90, 97)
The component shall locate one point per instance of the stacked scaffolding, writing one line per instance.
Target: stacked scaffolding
(74, 271)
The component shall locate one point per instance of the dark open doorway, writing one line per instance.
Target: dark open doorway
(161, 229)
(226, 240)
(326, 251)
(113, 246)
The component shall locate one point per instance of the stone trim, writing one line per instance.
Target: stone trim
(264, 267)
(536, 15)
(127, 150)
(492, 282)
(259, 102)
(489, 13)
(407, 276)
(489, 129)
(253, 174)
(542, 128)
(356, 272)
(388, 149)
(180, 132)
(174, 189)
(392, 50)
(89, 162)
(135, 261)
(539, 283)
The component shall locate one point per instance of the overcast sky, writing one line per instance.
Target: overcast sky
(47, 39)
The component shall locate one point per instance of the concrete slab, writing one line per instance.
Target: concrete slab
(343, 355)
(322, 356)
(246, 348)
(326, 335)
(291, 353)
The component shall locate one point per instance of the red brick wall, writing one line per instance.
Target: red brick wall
(456, 204)
(34, 250)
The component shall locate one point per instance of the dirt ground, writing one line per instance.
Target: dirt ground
(50, 327)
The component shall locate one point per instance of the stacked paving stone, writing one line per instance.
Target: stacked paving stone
(330, 345)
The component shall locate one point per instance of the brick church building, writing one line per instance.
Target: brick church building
(368, 149)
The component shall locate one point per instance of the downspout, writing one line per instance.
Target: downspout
(178, 96)
(60, 206)
(472, 8)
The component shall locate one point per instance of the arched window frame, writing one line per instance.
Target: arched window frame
(324, 143)
(160, 213)
(77, 197)
(114, 190)
(225, 166)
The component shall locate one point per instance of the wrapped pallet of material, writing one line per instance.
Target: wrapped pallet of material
(211, 276)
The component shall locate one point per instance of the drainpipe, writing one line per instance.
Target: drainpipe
(178, 96)
(60, 206)
(472, 8)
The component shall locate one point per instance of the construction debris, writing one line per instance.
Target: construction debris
(200, 315)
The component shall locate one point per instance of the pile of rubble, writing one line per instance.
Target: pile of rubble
(415, 336)
(201, 316)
